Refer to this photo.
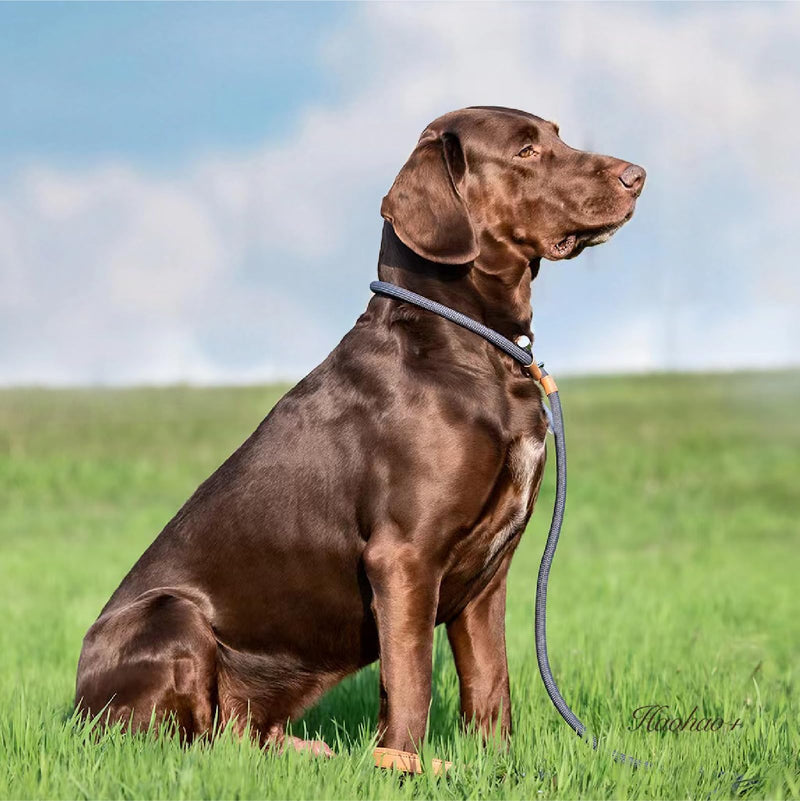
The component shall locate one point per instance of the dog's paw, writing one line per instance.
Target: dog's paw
(314, 747)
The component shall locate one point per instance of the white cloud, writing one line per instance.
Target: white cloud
(240, 267)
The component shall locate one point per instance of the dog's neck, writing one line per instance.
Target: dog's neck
(495, 289)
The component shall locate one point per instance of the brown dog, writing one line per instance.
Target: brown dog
(387, 491)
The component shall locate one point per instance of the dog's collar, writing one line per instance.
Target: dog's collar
(524, 357)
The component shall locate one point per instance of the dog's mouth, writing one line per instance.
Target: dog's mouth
(572, 244)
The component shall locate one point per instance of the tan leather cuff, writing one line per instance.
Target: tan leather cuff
(548, 384)
(406, 762)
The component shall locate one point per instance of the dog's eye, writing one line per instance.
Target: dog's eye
(527, 152)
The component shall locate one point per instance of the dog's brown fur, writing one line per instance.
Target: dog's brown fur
(387, 491)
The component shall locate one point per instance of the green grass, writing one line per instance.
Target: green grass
(675, 583)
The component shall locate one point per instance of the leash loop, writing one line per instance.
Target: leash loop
(540, 374)
(489, 334)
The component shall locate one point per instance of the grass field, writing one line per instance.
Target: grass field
(676, 583)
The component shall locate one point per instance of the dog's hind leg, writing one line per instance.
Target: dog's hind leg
(260, 693)
(154, 659)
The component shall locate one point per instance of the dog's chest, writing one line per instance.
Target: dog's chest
(524, 464)
(504, 514)
(503, 505)
(477, 555)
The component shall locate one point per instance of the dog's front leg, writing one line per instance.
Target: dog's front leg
(478, 640)
(405, 592)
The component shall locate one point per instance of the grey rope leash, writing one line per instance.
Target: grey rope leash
(489, 334)
(551, 390)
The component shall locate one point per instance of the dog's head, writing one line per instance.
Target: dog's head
(488, 175)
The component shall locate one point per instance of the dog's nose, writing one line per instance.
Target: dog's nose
(632, 178)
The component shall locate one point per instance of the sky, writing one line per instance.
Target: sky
(191, 192)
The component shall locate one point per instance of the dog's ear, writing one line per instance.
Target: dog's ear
(425, 207)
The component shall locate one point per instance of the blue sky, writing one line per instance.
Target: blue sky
(155, 83)
(191, 191)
